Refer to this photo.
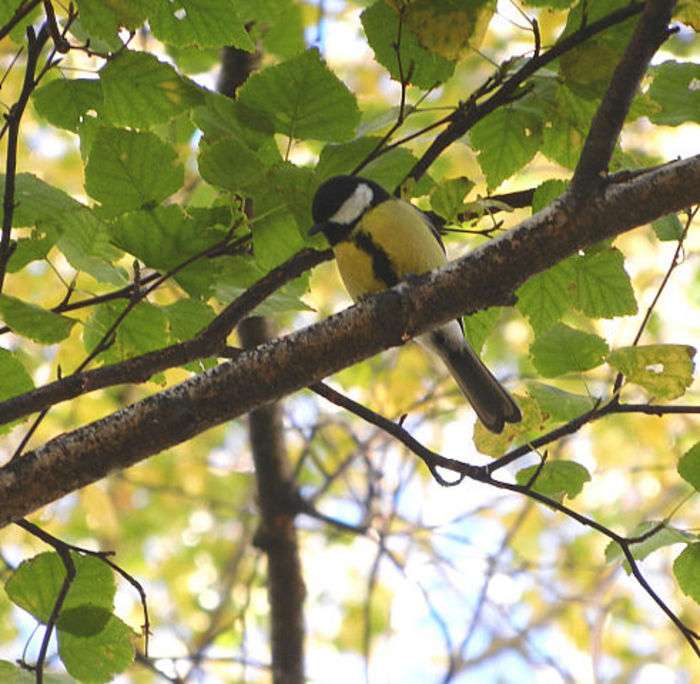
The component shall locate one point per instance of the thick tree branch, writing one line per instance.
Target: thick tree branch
(649, 35)
(259, 376)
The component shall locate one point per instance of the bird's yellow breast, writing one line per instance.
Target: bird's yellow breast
(401, 242)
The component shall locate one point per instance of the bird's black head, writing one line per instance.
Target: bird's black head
(340, 202)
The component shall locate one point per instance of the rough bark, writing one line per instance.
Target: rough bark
(486, 277)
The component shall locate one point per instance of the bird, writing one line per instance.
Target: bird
(377, 240)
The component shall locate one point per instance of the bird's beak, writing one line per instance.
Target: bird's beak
(316, 228)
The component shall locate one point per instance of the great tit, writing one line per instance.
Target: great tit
(378, 239)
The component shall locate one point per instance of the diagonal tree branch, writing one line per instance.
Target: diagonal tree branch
(484, 278)
(651, 32)
(140, 368)
(467, 115)
(21, 12)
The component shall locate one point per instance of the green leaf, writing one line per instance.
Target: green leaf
(14, 378)
(221, 117)
(164, 238)
(160, 237)
(230, 164)
(85, 620)
(558, 404)
(36, 200)
(427, 69)
(546, 297)
(28, 250)
(675, 89)
(496, 445)
(103, 18)
(242, 272)
(63, 102)
(302, 98)
(546, 193)
(556, 479)
(590, 65)
(478, 326)
(275, 238)
(283, 35)
(566, 118)
(84, 241)
(668, 228)
(30, 320)
(563, 349)
(603, 288)
(130, 170)
(144, 329)
(140, 90)
(284, 196)
(595, 283)
(13, 674)
(506, 141)
(388, 170)
(689, 466)
(194, 60)
(664, 370)
(187, 318)
(88, 130)
(35, 585)
(278, 24)
(450, 29)
(447, 198)
(201, 23)
(554, 4)
(686, 568)
(665, 536)
(90, 653)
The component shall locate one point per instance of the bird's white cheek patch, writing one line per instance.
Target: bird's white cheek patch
(354, 206)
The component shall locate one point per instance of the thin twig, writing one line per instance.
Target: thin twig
(401, 117)
(469, 113)
(64, 553)
(63, 549)
(484, 475)
(675, 262)
(59, 41)
(22, 11)
(35, 44)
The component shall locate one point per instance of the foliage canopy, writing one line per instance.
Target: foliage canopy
(148, 209)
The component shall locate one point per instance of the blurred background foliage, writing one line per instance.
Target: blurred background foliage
(406, 581)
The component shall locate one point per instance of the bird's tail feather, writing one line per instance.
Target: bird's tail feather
(490, 400)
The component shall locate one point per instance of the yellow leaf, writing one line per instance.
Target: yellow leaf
(448, 28)
(664, 370)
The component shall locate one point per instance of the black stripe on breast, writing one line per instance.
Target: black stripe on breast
(381, 265)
